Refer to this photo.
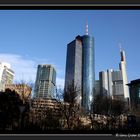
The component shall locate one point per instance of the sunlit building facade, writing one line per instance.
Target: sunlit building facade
(6, 75)
(45, 84)
(113, 83)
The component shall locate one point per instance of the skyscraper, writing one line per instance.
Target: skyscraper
(111, 84)
(6, 75)
(45, 81)
(80, 68)
(124, 74)
(114, 83)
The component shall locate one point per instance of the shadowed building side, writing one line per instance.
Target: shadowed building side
(134, 87)
(73, 75)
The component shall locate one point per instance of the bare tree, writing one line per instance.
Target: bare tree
(70, 109)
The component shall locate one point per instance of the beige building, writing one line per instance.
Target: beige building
(6, 75)
(23, 90)
(41, 107)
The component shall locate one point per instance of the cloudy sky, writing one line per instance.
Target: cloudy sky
(32, 37)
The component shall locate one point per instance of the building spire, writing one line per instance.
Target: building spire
(120, 46)
(122, 52)
(87, 28)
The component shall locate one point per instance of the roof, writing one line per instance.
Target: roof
(134, 82)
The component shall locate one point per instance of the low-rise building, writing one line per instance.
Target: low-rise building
(23, 90)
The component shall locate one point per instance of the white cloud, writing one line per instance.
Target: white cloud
(25, 69)
(60, 83)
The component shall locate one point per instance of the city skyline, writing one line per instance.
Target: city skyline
(40, 37)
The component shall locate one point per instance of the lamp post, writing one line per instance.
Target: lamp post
(21, 108)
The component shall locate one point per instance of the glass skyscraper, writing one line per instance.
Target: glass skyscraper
(80, 69)
(45, 82)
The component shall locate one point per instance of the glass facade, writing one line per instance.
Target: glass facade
(88, 71)
(73, 75)
(80, 69)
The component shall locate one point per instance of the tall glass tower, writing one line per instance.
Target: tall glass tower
(80, 69)
(88, 73)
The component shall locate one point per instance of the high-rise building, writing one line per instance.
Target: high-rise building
(124, 75)
(6, 75)
(117, 88)
(80, 68)
(105, 79)
(134, 87)
(111, 84)
(45, 84)
(97, 87)
(114, 83)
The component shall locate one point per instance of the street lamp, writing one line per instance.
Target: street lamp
(21, 108)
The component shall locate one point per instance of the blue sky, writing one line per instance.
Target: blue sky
(32, 37)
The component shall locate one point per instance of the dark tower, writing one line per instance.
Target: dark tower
(80, 69)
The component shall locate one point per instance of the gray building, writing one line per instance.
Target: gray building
(117, 89)
(97, 87)
(111, 83)
(114, 83)
(45, 84)
(80, 69)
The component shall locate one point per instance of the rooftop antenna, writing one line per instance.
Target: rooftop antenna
(122, 52)
(87, 28)
(120, 46)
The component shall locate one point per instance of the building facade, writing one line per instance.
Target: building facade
(124, 75)
(113, 83)
(97, 87)
(80, 69)
(45, 84)
(134, 87)
(6, 75)
(23, 90)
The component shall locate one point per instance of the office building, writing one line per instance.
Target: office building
(97, 87)
(124, 75)
(134, 87)
(105, 79)
(118, 88)
(6, 75)
(80, 69)
(45, 84)
(23, 90)
(113, 83)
